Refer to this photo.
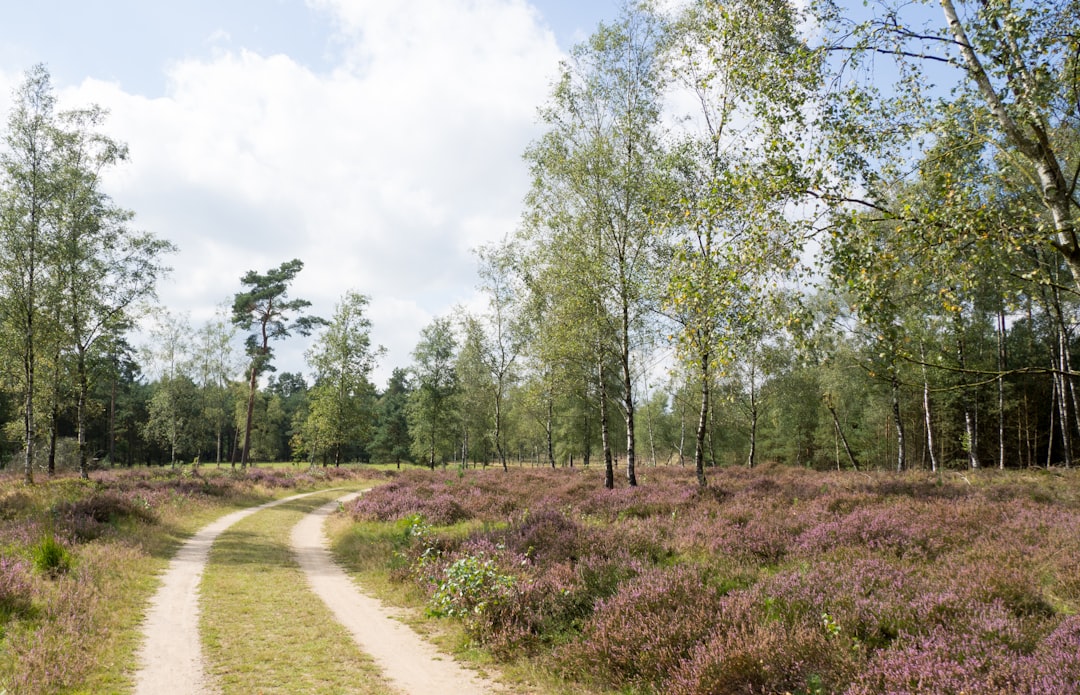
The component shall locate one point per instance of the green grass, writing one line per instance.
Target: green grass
(263, 629)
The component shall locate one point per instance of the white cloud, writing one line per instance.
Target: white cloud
(381, 174)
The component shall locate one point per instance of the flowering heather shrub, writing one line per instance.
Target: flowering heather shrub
(406, 497)
(89, 517)
(539, 611)
(639, 635)
(904, 528)
(1053, 668)
(549, 608)
(869, 599)
(945, 661)
(14, 589)
(772, 580)
(750, 658)
(755, 530)
(661, 497)
(42, 652)
(545, 537)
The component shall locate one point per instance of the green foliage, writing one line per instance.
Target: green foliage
(265, 309)
(49, 557)
(431, 410)
(391, 438)
(339, 419)
(470, 586)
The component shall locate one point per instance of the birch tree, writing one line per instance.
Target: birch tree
(342, 398)
(597, 164)
(29, 167)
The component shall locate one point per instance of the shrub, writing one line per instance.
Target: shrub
(671, 610)
(404, 498)
(750, 657)
(14, 589)
(471, 586)
(545, 537)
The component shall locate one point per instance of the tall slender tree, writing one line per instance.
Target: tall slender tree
(101, 268)
(265, 307)
(342, 398)
(431, 406)
(502, 343)
(29, 168)
(597, 165)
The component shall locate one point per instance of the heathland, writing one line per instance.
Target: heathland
(767, 580)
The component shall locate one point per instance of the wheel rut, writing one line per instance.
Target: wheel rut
(171, 660)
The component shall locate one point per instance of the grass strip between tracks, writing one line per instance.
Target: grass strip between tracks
(263, 630)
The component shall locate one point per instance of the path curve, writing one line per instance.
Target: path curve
(409, 662)
(170, 660)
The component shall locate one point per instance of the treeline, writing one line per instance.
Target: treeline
(755, 231)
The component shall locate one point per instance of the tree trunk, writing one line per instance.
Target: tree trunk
(431, 447)
(498, 427)
(1050, 439)
(252, 383)
(80, 415)
(28, 404)
(929, 421)
(550, 433)
(901, 451)
(605, 439)
(840, 431)
(703, 421)
(1002, 361)
(682, 439)
(751, 459)
(628, 400)
(1063, 417)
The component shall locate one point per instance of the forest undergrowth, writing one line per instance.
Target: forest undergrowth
(79, 559)
(772, 580)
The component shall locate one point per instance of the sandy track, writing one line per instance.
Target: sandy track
(171, 656)
(407, 661)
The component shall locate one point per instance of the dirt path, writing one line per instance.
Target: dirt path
(407, 661)
(170, 660)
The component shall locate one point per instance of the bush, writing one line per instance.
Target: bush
(639, 635)
(471, 585)
(751, 657)
(545, 537)
(14, 589)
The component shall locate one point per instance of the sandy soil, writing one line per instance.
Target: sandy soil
(170, 660)
(171, 656)
(407, 661)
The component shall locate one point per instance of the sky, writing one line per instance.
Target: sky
(378, 141)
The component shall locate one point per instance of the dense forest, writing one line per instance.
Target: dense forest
(756, 231)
